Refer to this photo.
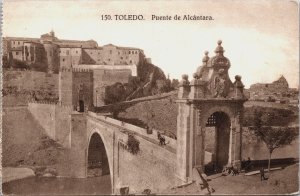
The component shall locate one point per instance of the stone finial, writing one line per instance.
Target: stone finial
(184, 87)
(205, 58)
(184, 80)
(239, 87)
(238, 83)
(196, 76)
(238, 78)
(219, 48)
(185, 77)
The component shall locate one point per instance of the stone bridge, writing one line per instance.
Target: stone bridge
(209, 100)
(153, 167)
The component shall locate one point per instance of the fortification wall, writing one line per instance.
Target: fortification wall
(44, 113)
(62, 125)
(31, 80)
(54, 119)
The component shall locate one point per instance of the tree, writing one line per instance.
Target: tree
(273, 137)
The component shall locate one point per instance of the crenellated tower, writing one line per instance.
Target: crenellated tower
(76, 88)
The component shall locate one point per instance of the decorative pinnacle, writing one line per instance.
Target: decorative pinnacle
(205, 58)
(219, 48)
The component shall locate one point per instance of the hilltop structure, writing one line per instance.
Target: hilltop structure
(275, 91)
(87, 72)
(59, 53)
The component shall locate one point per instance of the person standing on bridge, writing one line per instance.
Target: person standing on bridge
(162, 140)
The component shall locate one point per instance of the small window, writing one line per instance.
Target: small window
(121, 57)
(130, 61)
(17, 53)
(76, 52)
(118, 53)
(63, 60)
(110, 51)
(129, 52)
(108, 59)
(18, 43)
(135, 52)
(98, 52)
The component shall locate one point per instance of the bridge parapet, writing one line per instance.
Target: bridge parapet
(171, 143)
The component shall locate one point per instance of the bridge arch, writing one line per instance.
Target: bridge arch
(98, 143)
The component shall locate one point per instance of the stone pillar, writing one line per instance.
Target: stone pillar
(78, 145)
(183, 141)
(199, 138)
(237, 140)
(197, 88)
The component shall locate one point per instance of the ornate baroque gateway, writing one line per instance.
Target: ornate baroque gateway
(209, 100)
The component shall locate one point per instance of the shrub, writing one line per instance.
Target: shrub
(133, 144)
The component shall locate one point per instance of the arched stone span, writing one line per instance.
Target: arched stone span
(108, 152)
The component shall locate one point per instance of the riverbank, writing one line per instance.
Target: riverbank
(58, 186)
(11, 173)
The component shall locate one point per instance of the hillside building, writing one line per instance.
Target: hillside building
(275, 91)
(60, 53)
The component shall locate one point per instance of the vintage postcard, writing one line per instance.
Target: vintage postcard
(150, 97)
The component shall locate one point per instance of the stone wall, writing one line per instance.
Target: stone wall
(256, 149)
(54, 119)
(112, 55)
(62, 125)
(44, 113)
(30, 80)
(103, 78)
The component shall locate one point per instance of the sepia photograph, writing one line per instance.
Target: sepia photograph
(150, 97)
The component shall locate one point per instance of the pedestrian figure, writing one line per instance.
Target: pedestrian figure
(235, 171)
(262, 174)
(248, 164)
(162, 140)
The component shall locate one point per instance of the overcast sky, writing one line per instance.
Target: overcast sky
(259, 37)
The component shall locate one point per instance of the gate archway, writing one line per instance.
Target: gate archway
(217, 139)
(210, 98)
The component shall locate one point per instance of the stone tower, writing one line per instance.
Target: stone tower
(52, 56)
(209, 100)
(76, 88)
